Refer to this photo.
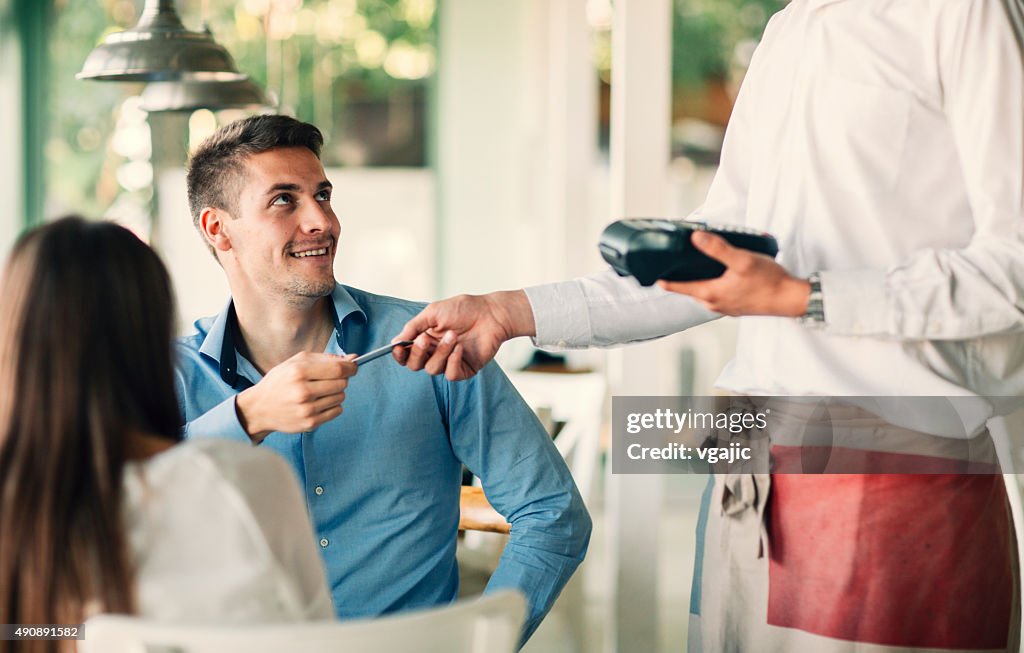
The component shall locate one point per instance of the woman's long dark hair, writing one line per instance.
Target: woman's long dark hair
(86, 314)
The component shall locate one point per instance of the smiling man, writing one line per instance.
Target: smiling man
(383, 480)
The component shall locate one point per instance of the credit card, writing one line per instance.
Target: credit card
(380, 351)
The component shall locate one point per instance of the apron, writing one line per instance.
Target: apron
(803, 561)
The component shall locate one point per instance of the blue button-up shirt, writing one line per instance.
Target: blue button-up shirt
(382, 481)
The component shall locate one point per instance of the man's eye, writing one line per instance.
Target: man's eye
(281, 200)
(323, 196)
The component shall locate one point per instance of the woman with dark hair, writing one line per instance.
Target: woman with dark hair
(99, 510)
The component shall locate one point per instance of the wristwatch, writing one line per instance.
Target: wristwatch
(815, 313)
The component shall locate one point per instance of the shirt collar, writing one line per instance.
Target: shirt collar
(220, 341)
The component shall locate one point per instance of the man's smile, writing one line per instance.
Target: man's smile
(318, 248)
(310, 252)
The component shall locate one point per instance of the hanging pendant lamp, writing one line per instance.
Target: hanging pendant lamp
(159, 48)
(188, 95)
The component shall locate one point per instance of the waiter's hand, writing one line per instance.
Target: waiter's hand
(458, 336)
(753, 284)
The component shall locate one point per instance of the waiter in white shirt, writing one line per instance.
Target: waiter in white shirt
(882, 143)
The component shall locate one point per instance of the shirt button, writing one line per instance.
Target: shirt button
(323, 542)
(319, 490)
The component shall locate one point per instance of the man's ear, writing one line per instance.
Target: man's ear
(212, 223)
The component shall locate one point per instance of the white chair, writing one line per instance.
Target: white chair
(491, 624)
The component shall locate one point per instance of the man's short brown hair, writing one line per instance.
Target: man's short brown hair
(215, 167)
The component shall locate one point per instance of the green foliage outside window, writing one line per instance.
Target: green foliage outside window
(706, 33)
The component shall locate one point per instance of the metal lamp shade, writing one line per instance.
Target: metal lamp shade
(189, 95)
(159, 48)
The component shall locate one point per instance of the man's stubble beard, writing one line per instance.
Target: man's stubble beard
(311, 289)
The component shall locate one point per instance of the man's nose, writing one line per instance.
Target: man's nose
(316, 218)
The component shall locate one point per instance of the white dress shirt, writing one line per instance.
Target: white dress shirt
(882, 143)
(219, 533)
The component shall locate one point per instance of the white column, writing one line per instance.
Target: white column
(572, 140)
(490, 144)
(640, 149)
(516, 142)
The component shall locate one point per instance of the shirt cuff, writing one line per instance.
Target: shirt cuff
(855, 302)
(560, 315)
(221, 421)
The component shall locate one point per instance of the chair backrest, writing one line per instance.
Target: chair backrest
(490, 624)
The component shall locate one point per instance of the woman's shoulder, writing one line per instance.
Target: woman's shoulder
(200, 470)
(230, 461)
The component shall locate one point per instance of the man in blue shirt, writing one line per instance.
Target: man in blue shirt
(383, 480)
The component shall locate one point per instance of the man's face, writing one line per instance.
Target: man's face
(284, 235)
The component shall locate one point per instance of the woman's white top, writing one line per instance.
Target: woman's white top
(219, 533)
